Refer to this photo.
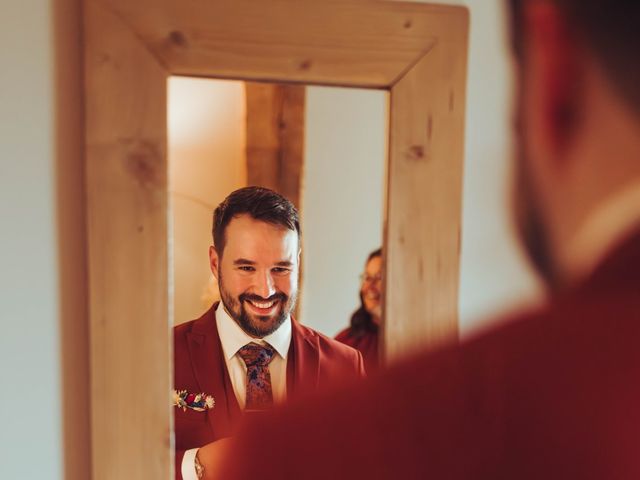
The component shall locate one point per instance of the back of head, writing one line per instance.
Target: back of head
(610, 31)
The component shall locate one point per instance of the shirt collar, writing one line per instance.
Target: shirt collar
(233, 338)
(604, 229)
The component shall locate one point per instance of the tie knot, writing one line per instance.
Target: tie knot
(256, 355)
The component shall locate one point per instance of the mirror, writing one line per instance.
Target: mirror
(416, 52)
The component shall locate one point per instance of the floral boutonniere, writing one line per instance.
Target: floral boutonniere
(195, 401)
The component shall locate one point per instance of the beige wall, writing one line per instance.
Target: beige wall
(206, 163)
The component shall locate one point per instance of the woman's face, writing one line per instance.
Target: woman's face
(371, 288)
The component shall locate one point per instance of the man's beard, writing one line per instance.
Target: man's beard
(530, 225)
(256, 325)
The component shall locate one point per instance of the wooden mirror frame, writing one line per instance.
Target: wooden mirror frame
(418, 52)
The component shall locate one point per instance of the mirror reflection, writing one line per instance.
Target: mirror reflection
(243, 254)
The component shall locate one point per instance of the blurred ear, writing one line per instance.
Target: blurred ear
(214, 261)
(553, 71)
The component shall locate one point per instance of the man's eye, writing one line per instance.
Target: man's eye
(281, 270)
(246, 268)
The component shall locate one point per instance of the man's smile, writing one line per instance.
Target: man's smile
(263, 307)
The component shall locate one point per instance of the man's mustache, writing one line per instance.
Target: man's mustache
(257, 298)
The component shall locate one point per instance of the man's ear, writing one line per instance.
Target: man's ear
(554, 72)
(214, 261)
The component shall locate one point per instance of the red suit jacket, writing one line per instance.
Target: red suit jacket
(554, 394)
(314, 361)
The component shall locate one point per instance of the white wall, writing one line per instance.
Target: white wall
(342, 199)
(206, 163)
(31, 431)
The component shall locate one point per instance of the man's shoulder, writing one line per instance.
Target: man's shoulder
(200, 325)
(326, 344)
(343, 335)
(545, 345)
(183, 328)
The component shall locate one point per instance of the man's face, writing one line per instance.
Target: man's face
(257, 274)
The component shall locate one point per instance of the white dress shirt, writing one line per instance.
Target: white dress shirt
(232, 339)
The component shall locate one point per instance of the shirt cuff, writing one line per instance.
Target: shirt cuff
(188, 467)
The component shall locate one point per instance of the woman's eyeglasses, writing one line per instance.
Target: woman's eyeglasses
(364, 278)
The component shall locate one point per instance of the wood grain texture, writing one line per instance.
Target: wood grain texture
(275, 137)
(332, 42)
(424, 210)
(126, 175)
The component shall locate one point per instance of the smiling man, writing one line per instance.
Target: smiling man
(246, 353)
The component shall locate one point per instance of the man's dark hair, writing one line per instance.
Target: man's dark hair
(609, 28)
(258, 202)
(361, 321)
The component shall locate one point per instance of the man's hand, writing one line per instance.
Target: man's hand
(211, 455)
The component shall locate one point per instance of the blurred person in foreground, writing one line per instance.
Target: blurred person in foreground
(362, 333)
(246, 352)
(554, 393)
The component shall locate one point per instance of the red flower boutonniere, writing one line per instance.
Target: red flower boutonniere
(195, 401)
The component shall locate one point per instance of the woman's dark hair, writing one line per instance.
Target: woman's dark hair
(361, 320)
(258, 202)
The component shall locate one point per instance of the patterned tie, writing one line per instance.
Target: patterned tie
(257, 358)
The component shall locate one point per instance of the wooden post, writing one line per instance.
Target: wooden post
(424, 201)
(275, 137)
(126, 174)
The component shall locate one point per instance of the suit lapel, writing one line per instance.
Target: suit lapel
(303, 367)
(210, 370)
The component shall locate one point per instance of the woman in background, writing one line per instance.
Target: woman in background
(362, 334)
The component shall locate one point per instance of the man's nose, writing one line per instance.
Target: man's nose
(265, 286)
